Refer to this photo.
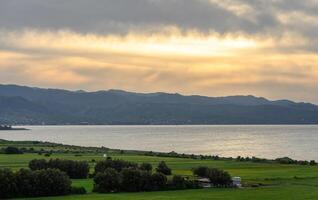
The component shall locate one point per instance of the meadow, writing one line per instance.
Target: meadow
(262, 181)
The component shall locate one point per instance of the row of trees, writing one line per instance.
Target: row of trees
(27, 183)
(119, 165)
(11, 150)
(283, 160)
(119, 175)
(74, 169)
(218, 177)
(128, 180)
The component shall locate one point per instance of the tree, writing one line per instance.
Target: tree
(158, 180)
(51, 182)
(25, 181)
(146, 167)
(107, 181)
(118, 165)
(12, 150)
(75, 169)
(37, 164)
(163, 168)
(146, 181)
(219, 178)
(131, 180)
(201, 171)
(7, 184)
(178, 182)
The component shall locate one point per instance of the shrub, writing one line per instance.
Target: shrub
(128, 180)
(218, 178)
(131, 180)
(118, 165)
(146, 181)
(38, 164)
(201, 171)
(78, 190)
(163, 168)
(7, 184)
(107, 181)
(75, 169)
(178, 182)
(158, 181)
(12, 150)
(51, 182)
(312, 162)
(146, 167)
(27, 183)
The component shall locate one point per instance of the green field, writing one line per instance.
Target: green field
(277, 181)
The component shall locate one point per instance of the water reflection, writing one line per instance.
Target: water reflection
(299, 142)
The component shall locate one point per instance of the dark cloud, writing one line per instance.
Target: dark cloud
(110, 16)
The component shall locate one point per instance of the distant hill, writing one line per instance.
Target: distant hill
(27, 105)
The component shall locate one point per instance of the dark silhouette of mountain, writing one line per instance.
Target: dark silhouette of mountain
(27, 105)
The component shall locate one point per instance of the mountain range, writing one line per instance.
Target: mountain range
(29, 105)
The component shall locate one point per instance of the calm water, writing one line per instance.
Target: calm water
(299, 142)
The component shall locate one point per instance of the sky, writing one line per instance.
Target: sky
(265, 48)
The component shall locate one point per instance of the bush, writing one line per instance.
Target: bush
(178, 182)
(12, 150)
(131, 180)
(312, 162)
(7, 184)
(51, 182)
(146, 181)
(158, 181)
(163, 168)
(75, 169)
(201, 171)
(27, 183)
(38, 164)
(128, 180)
(146, 167)
(78, 190)
(118, 165)
(218, 178)
(107, 181)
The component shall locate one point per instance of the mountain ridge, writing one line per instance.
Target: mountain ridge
(58, 106)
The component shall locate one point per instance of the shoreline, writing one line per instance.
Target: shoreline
(282, 160)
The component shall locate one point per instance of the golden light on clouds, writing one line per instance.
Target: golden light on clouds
(191, 63)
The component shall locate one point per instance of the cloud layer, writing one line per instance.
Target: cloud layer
(211, 47)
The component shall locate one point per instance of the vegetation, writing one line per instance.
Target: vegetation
(117, 165)
(107, 181)
(218, 178)
(282, 181)
(163, 168)
(123, 176)
(27, 183)
(74, 169)
(12, 150)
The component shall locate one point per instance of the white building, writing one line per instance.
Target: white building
(204, 182)
(237, 182)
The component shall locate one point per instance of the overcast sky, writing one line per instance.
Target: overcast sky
(210, 47)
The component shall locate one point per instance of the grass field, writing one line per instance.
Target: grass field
(280, 181)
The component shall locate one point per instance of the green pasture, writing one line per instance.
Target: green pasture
(278, 182)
